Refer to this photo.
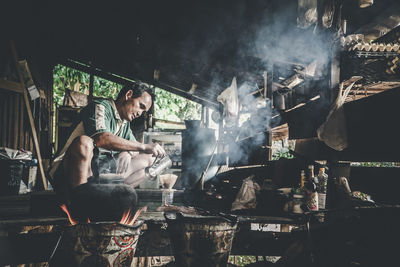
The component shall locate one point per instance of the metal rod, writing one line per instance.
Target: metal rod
(203, 174)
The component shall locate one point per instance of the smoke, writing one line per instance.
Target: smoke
(274, 39)
(270, 36)
(247, 142)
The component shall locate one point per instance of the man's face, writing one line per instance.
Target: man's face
(132, 108)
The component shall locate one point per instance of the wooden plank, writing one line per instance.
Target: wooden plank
(31, 121)
(280, 132)
(11, 86)
(21, 122)
(169, 122)
(9, 120)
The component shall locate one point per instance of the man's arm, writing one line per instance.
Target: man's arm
(110, 141)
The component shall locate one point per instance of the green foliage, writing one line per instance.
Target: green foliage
(105, 88)
(75, 80)
(280, 149)
(72, 79)
(169, 106)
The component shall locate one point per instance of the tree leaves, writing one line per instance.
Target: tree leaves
(169, 106)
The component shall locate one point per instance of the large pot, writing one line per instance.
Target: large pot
(97, 244)
(199, 241)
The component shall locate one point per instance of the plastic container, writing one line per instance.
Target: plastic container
(11, 175)
(167, 197)
(30, 173)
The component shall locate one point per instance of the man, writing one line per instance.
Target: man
(105, 125)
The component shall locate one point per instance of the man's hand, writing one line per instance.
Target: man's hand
(123, 162)
(154, 149)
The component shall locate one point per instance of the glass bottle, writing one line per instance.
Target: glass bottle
(311, 193)
(302, 178)
(322, 188)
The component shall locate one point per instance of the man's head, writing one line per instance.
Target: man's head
(133, 100)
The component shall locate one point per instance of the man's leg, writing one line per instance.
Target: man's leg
(77, 161)
(136, 174)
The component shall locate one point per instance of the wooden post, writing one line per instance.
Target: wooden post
(21, 121)
(16, 116)
(31, 121)
(207, 117)
(268, 81)
(91, 84)
(265, 75)
(10, 117)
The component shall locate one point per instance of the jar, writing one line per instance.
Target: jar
(298, 201)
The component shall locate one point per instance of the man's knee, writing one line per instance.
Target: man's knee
(149, 159)
(82, 147)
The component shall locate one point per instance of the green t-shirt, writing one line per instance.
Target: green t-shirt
(101, 115)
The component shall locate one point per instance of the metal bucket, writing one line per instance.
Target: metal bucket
(201, 240)
(97, 244)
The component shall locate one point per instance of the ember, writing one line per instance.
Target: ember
(127, 217)
(71, 221)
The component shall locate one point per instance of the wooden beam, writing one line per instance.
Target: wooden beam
(280, 132)
(169, 122)
(11, 86)
(185, 94)
(94, 71)
(28, 108)
(91, 85)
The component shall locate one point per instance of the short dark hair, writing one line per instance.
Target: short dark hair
(137, 88)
